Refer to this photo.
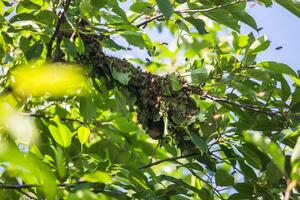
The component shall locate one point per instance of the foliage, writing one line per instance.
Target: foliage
(200, 119)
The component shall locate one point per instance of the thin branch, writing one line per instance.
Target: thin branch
(190, 11)
(60, 20)
(203, 94)
(201, 179)
(27, 195)
(24, 186)
(169, 159)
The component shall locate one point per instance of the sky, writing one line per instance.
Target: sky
(280, 26)
(283, 29)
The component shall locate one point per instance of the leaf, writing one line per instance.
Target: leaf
(198, 141)
(35, 51)
(251, 157)
(165, 7)
(86, 9)
(61, 134)
(278, 68)
(134, 38)
(26, 7)
(29, 168)
(1, 8)
(98, 177)
(57, 79)
(269, 148)
(259, 45)
(122, 77)
(198, 24)
(296, 152)
(98, 3)
(267, 3)
(175, 83)
(83, 134)
(239, 13)
(139, 7)
(79, 44)
(223, 178)
(125, 125)
(291, 5)
(87, 107)
(224, 17)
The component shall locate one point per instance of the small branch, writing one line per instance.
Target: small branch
(203, 94)
(60, 20)
(190, 11)
(289, 188)
(27, 195)
(201, 179)
(169, 159)
(24, 186)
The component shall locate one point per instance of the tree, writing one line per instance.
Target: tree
(200, 120)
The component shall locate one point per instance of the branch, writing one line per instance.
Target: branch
(203, 94)
(191, 11)
(24, 186)
(169, 159)
(60, 20)
(201, 179)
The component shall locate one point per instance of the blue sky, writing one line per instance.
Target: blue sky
(283, 29)
(279, 25)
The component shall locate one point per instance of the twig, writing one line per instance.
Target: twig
(203, 94)
(190, 11)
(289, 188)
(27, 195)
(57, 29)
(201, 179)
(24, 186)
(169, 159)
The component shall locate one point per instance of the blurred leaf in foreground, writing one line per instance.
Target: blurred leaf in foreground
(57, 79)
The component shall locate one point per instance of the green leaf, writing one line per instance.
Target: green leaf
(125, 125)
(87, 107)
(61, 134)
(134, 38)
(175, 83)
(278, 68)
(291, 5)
(198, 24)
(267, 3)
(2, 6)
(98, 177)
(251, 156)
(224, 17)
(79, 44)
(86, 9)
(259, 45)
(122, 77)
(238, 12)
(35, 51)
(223, 178)
(29, 168)
(198, 141)
(269, 148)
(83, 134)
(165, 7)
(98, 3)
(26, 7)
(296, 152)
(139, 7)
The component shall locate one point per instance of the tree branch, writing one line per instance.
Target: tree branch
(24, 186)
(169, 159)
(60, 20)
(191, 11)
(203, 94)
